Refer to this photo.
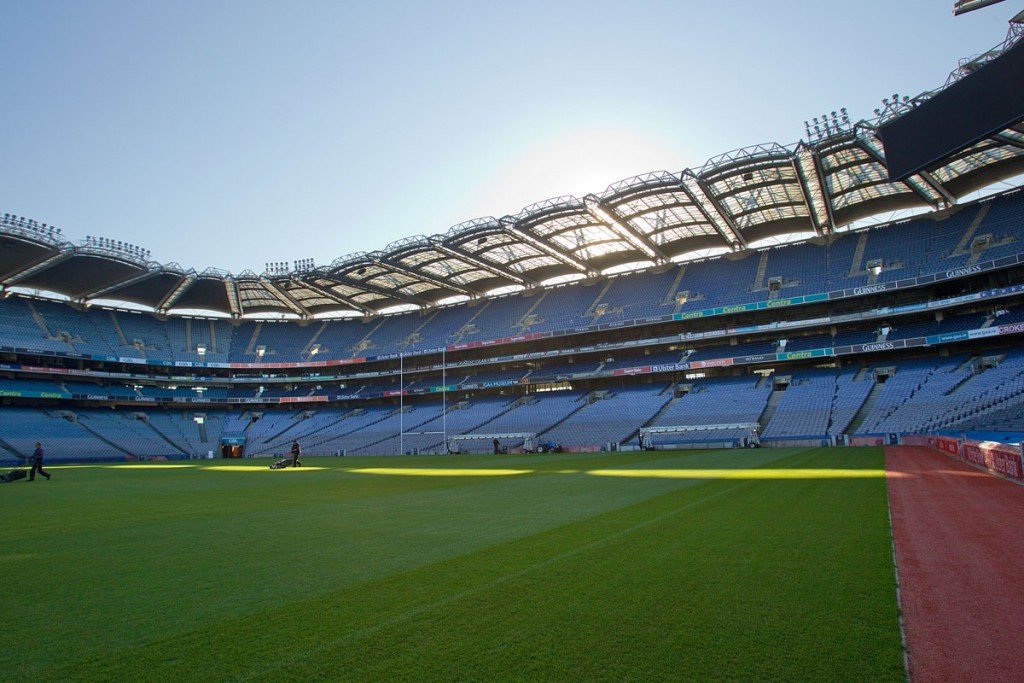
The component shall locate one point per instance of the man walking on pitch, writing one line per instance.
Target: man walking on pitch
(295, 454)
(37, 464)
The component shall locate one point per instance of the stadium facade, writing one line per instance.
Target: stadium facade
(652, 309)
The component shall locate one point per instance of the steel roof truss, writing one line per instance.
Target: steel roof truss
(231, 287)
(826, 195)
(334, 296)
(935, 201)
(549, 248)
(397, 267)
(99, 292)
(1007, 140)
(388, 293)
(485, 265)
(47, 262)
(610, 217)
(187, 280)
(814, 203)
(714, 213)
(284, 297)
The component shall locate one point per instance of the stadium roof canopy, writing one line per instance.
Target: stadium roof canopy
(818, 186)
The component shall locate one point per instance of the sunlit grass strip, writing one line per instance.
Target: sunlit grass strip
(440, 472)
(767, 473)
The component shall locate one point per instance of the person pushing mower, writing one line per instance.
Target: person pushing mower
(296, 451)
(37, 464)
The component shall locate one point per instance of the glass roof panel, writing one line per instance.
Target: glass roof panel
(532, 263)
(592, 249)
(368, 297)
(578, 239)
(446, 270)
(748, 176)
(417, 287)
(980, 155)
(365, 271)
(563, 223)
(391, 278)
(413, 259)
(864, 193)
(511, 251)
(482, 243)
(340, 288)
(652, 202)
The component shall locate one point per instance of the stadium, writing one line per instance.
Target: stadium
(655, 431)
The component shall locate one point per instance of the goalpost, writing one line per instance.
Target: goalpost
(443, 432)
(484, 443)
(739, 434)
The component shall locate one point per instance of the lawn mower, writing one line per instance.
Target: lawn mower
(283, 463)
(13, 475)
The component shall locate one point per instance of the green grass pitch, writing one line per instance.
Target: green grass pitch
(767, 564)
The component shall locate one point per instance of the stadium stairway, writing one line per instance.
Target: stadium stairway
(585, 400)
(858, 256)
(963, 247)
(331, 422)
(312, 341)
(366, 448)
(672, 398)
(10, 449)
(118, 330)
(250, 349)
(167, 438)
(385, 415)
(528, 318)
(770, 407)
(673, 290)
(102, 438)
(39, 320)
(512, 405)
(302, 417)
(865, 409)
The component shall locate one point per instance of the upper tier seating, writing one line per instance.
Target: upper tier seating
(918, 246)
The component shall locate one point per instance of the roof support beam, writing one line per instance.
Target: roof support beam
(100, 291)
(458, 252)
(285, 298)
(934, 202)
(616, 222)
(712, 211)
(405, 270)
(809, 198)
(333, 296)
(548, 248)
(389, 293)
(231, 287)
(42, 264)
(938, 187)
(1007, 140)
(826, 196)
(186, 281)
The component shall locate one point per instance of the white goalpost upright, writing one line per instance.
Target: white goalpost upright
(443, 432)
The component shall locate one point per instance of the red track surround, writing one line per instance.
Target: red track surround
(959, 535)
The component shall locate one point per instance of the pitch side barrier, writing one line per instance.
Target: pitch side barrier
(758, 359)
(1005, 460)
(849, 293)
(484, 443)
(886, 312)
(696, 436)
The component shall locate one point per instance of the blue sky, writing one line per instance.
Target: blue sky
(230, 134)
